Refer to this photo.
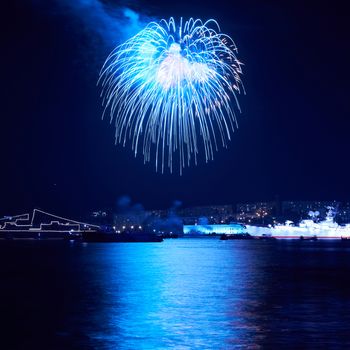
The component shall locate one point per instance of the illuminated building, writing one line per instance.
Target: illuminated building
(256, 212)
(220, 229)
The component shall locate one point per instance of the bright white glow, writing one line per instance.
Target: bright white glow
(176, 70)
(172, 89)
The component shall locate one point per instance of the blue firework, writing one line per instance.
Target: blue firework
(172, 91)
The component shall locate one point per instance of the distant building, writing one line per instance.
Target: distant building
(213, 214)
(256, 210)
(130, 220)
(214, 229)
(301, 209)
(211, 210)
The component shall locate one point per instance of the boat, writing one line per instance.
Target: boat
(225, 237)
(265, 237)
(313, 238)
(42, 225)
(310, 229)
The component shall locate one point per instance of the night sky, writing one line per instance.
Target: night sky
(58, 154)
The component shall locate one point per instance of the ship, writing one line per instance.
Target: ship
(308, 229)
(42, 225)
(243, 236)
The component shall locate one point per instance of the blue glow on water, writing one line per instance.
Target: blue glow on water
(179, 294)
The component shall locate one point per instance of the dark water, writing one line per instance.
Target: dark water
(179, 294)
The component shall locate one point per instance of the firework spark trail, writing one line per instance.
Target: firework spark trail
(170, 88)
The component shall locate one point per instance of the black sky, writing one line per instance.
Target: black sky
(293, 138)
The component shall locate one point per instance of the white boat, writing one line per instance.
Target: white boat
(309, 228)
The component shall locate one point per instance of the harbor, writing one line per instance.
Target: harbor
(148, 228)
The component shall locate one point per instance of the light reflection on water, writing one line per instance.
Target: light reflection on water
(183, 294)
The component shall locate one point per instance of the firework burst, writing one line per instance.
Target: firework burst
(172, 91)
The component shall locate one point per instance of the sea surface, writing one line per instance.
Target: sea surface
(179, 294)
